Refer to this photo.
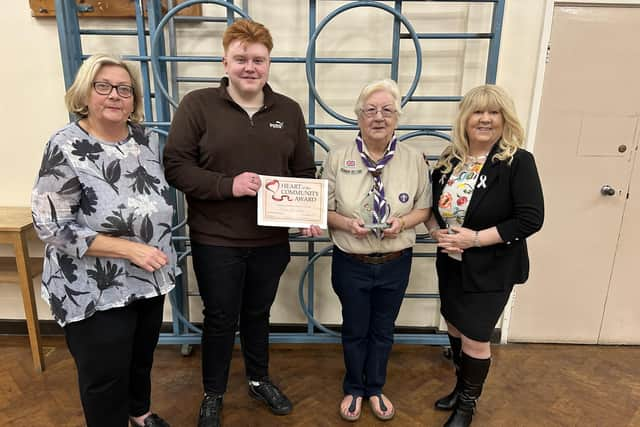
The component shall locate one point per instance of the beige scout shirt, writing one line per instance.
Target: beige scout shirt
(406, 186)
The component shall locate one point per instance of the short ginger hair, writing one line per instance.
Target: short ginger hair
(247, 31)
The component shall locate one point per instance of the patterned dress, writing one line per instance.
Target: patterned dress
(84, 187)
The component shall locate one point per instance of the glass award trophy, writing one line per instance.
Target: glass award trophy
(367, 214)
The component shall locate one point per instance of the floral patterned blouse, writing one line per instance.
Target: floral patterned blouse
(86, 186)
(456, 195)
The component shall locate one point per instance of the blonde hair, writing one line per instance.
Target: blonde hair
(76, 98)
(386, 85)
(485, 97)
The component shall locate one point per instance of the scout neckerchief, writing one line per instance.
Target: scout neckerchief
(380, 207)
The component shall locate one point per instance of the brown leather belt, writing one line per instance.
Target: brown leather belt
(377, 258)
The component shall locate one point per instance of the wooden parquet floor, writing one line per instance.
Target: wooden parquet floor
(529, 385)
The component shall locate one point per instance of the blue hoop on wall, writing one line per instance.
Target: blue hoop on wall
(303, 303)
(326, 20)
(158, 32)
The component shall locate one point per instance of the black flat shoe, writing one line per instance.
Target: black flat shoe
(210, 411)
(270, 394)
(152, 420)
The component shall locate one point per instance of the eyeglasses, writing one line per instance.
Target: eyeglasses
(104, 88)
(373, 111)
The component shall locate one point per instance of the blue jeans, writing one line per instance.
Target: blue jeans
(371, 295)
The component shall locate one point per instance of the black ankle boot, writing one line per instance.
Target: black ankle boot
(449, 401)
(473, 372)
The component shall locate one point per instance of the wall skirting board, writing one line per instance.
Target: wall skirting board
(51, 328)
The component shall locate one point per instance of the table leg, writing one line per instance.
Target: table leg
(30, 309)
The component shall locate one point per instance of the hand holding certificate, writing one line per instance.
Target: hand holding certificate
(292, 202)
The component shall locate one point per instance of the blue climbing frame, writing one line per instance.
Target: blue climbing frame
(157, 33)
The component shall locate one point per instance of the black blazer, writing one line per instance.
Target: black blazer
(510, 198)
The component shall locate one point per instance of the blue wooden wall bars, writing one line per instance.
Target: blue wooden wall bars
(154, 34)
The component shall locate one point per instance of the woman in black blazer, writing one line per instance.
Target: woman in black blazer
(489, 200)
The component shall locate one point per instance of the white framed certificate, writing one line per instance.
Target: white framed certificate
(292, 202)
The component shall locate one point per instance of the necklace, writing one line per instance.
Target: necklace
(477, 159)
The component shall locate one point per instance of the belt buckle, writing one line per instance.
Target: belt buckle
(376, 259)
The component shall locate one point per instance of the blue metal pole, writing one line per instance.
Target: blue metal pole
(395, 47)
(173, 51)
(230, 17)
(154, 13)
(144, 65)
(494, 44)
(180, 305)
(69, 36)
(312, 119)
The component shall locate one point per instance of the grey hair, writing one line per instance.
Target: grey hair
(386, 85)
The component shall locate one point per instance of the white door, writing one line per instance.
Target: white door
(581, 287)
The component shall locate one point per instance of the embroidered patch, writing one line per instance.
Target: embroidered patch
(350, 164)
(351, 171)
(276, 125)
(403, 197)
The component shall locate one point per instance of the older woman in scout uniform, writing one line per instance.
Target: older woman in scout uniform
(378, 193)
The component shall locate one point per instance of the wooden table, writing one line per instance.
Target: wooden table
(15, 227)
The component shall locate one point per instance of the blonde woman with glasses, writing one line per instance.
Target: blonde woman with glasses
(102, 207)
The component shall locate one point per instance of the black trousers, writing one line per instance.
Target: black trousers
(236, 283)
(113, 351)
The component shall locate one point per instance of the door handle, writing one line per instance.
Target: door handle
(607, 190)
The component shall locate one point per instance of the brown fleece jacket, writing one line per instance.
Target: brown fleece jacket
(212, 139)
